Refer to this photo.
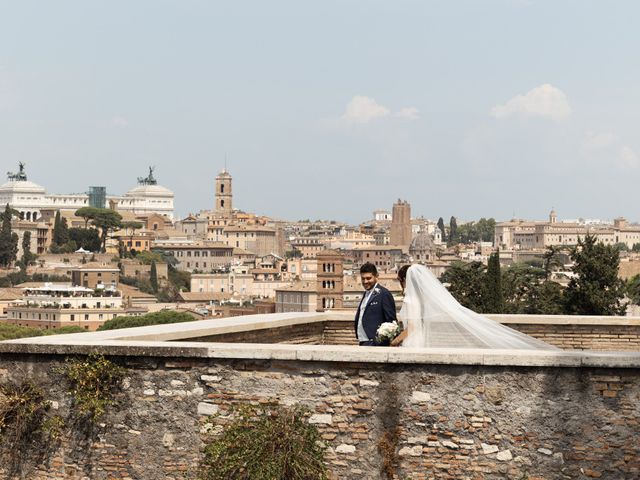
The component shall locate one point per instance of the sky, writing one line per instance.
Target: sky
(331, 109)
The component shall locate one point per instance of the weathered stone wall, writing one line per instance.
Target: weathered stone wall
(453, 421)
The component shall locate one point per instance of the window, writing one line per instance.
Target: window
(86, 316)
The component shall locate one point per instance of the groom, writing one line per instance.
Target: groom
(376, 307)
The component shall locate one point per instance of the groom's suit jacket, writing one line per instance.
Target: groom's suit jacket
(379, 309)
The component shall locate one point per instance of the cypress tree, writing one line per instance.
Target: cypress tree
(13, 248)
(26, 248)
(453, 231)
(495, 298)
(56, 229)
(153, 274)
(6, 238)
(441, 227)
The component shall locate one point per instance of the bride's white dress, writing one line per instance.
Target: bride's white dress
(435, 319)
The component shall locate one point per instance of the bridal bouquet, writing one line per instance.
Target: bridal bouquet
(387, 332)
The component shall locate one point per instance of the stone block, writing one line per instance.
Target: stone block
(545, 451)
(411, 451)
(368, 383)
(488, 449)
(504, 456)
(205, 408)
(449, 444)
(321, 419)
(168, 439)
(344, 448)
(420, 397)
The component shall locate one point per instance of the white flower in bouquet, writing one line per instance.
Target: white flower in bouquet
(388, 331)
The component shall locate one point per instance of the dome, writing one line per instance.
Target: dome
(22, 186)
(149, 191)
(422, 242)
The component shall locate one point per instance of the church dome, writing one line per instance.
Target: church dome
(149, 191)
(22, 186)
(422, 242)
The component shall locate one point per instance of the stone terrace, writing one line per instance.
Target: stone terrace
(459, 414)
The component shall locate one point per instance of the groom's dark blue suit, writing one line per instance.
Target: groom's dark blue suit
(379, 309)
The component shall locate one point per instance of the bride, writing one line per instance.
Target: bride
(433, 318)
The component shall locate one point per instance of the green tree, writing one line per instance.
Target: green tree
(622, 247)
(87, 238)
(526, 290)
(107, 221)
(442, 230)
(596, 288)
(153, 277)
(155, 318)
(8, 240)
(486, 228)
(633, 289)
(551, 260)
(87, 213)
(453, 231)
(636, 247)
(60, 231)
(494, 302)
(467, 284)
(27, 256)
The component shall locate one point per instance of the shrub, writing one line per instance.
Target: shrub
(263, 445)
(23, 413)
(93, 381)
(155, 318)
(10, 332)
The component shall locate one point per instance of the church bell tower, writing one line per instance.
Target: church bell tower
(224, 196)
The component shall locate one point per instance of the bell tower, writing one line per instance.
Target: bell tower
(224, 195)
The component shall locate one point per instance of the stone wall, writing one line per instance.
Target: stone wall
(452, 421)
(568, 336)
(585, 337)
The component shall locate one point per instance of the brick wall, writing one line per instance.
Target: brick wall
(454, 421)
(585, 337)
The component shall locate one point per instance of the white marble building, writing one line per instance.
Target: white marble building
(30, 199)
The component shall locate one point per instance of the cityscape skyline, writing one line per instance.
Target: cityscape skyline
(493, 110)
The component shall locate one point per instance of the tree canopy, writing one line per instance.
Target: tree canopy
(155, 318)
(596, 288)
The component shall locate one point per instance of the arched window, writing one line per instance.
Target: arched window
(222, 188)
(29, 216)
(222, 203)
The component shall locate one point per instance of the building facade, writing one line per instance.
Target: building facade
(538, 235)
(201, 256)
(30, 199)
(54, 306)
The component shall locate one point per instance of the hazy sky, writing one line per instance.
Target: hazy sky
(331, 109)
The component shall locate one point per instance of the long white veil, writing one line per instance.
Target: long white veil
(435, 319)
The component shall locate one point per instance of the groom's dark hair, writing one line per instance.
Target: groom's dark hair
(369, 268)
